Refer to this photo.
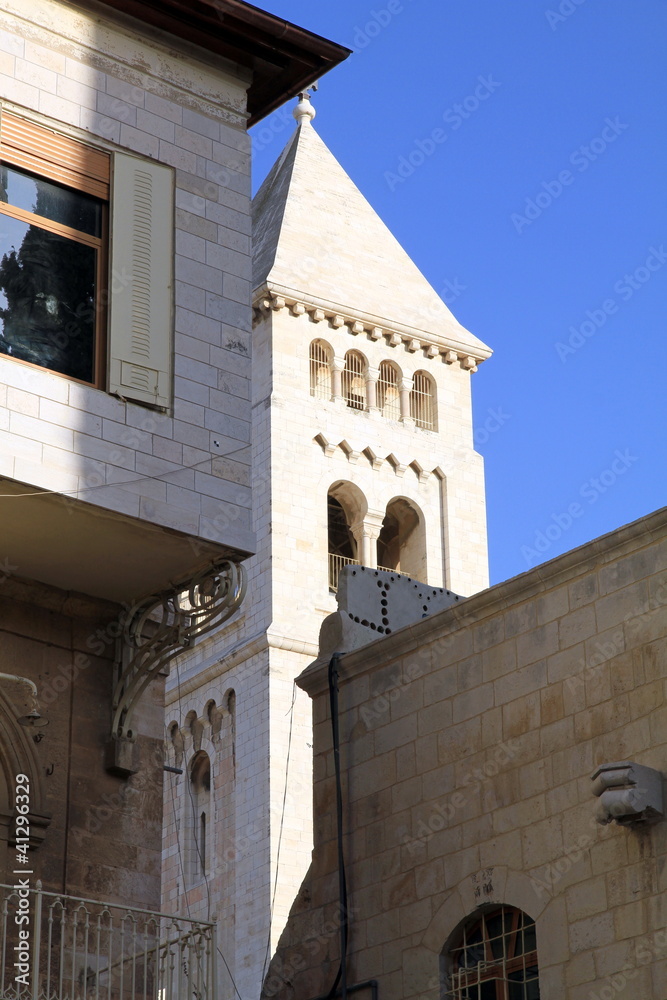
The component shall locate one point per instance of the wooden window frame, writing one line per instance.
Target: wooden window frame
(46, 154)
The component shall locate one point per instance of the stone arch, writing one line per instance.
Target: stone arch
(214, 716)
(346, 510)
(500, 886)
(402, 541)
(200, 825)
(175, 743)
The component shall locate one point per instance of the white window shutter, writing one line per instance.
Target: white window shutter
(140, 327)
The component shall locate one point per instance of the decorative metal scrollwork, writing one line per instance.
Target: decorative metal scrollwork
(162, 626)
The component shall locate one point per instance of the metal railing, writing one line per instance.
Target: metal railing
(70, 948)
(336, 564)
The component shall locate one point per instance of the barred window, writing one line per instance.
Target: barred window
(495, 958)
(354, 380)
(422, 402)
(388, 393)
(320, 369)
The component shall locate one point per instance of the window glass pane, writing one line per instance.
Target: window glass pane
(47, 299)
(52, 201)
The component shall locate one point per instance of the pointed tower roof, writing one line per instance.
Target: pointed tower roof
(316, 240)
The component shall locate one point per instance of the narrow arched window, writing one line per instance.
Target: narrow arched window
(494, 958)
(354, 380)
(388, 392)
(202, 844)
(422, 402)
(320, 369)
(200, 807)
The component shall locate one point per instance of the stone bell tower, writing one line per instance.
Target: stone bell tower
(362, 453)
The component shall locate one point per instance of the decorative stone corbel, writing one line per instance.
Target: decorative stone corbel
(449, 357)
(337, 321)
(317, 315)
(469, 363)
(325, 445)
(278, 303)
(399, 467)
(395, 340)
(376, 333)
(351, 452)
(373, 458)
(432, 351)
(413, 346)
(356, 327)
(631, 794)
(155, 631)
(298, 309)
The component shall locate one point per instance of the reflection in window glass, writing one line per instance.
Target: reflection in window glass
(47, 299)
(52, 201)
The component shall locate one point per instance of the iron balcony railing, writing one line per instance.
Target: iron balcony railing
(336, 564)
(57, 947)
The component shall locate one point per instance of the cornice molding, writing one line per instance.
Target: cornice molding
(270, 297)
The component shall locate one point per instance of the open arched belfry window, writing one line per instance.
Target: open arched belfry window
(494, 957)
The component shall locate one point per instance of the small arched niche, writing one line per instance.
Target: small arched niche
(401, 545)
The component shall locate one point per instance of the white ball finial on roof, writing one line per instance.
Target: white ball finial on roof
(304, 112)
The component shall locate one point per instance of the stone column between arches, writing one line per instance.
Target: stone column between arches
(366, 531)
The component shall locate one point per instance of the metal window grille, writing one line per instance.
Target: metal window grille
(422, 402)
(354, 381)
(388, 393)
(496, 959)
(320, 370)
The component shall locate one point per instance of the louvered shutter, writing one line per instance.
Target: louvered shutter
(140, 329)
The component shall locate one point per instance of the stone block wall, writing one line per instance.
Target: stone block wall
(467, 746)
(97, 81)
(101, 833)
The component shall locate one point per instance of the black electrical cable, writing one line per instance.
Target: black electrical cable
(341, 976)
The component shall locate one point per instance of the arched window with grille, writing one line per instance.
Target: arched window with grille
(321, 356)
(422, 402)
(354, 380)
(388, 391)
(494, 957)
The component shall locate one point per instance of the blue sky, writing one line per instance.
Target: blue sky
(538, 208)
